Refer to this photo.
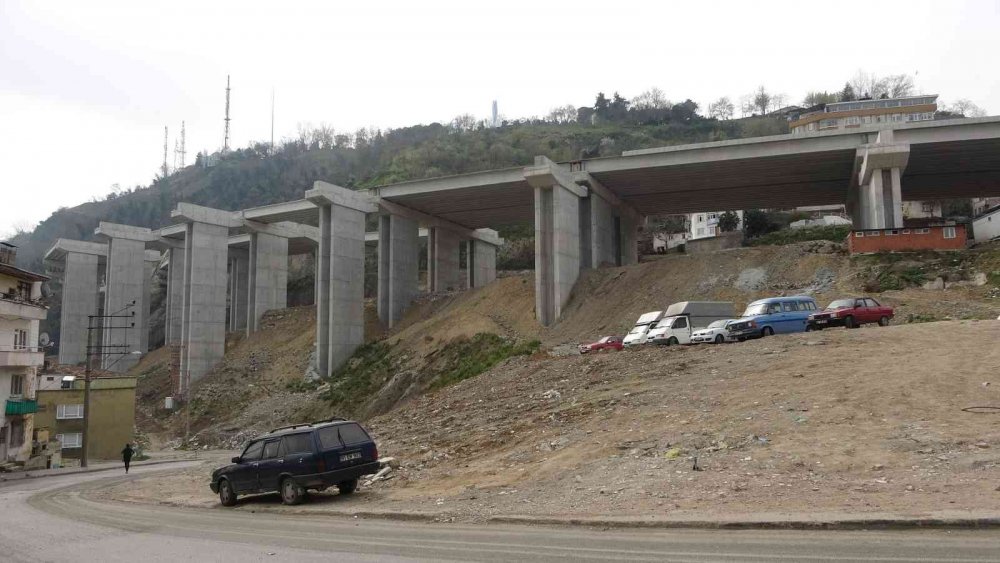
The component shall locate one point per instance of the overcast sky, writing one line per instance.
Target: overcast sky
(87, 87)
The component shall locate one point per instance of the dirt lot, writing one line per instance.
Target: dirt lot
(860, 421)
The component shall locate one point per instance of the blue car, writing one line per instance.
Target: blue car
(777, 315)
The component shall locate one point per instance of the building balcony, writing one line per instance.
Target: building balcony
(26, 356)
(16, 407)
(13, 306)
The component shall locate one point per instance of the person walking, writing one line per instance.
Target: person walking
(127, 454)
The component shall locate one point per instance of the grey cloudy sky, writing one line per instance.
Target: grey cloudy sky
(86, 87)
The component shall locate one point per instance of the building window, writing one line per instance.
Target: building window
(17, 385)
(927, 207)
(859, 234)
(701, 231)
(828, 124)
(701, 218)
(64, 412)
(891, 233)
(948, 232)
(906, 231)
(70, 441)
(923, 231)
(20, 339)
(873, 234)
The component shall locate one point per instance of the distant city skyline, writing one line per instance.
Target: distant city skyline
(87, 89)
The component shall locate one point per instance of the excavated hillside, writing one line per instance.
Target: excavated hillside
(448, 337)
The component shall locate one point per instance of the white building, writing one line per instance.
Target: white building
(704, 225)
(663, 242)
(21, 310)
(986, 227)
(981, 205)
(922, 210)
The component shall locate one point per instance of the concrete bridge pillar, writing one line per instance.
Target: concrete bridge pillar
(126, 282)
(482, 262)
(340, 269)
(443, 272)
(175, 296)
(557, 238)
(628, 236)
(239, 286)
(203, 324)
(398, 266)
(268, 277)
(82, 263)
(879, 200)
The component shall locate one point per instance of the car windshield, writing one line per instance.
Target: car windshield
(755, 309)
(639, 329)
(604, 340)
(841, 303)
(717, 324)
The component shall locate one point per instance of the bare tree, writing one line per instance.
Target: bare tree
(323, 135)
(778, 101)
(866, 84)
(899, 85)
(654, 98)
(965, 108)
(721, 109)
(746, 105)
(562, 114)
(464, 122)
(761, 100)
(874, 86)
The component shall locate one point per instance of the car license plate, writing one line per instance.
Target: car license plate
(350, 456)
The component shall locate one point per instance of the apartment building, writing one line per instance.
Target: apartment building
(21, 310)
(704, 225)
(847, 115)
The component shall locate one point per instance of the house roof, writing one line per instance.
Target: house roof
(25, 275)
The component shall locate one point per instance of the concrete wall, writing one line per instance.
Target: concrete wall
(79, 300)
(239, 289)
(126, 274)
(398, 262)
(205, 280)
(444, 273)
(346, 277)
(557, 250)
(714, 244)
(482, 268)
(629, 239)
(903, 240)
(268, 276)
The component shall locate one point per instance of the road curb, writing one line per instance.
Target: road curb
(827, 524)
(22, 475)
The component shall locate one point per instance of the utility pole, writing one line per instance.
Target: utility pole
(179, 150)
(272, 120)
(96, 323)
(164, 169)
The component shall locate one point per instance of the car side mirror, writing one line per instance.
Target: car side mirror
(236, 459)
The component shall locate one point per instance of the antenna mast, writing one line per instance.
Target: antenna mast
(272, 120)
(164, 169)
(225, 141)
(182, 152)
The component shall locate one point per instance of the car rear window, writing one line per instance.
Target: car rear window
(342, 435)
(297, 443)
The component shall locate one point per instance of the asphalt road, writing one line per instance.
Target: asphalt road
(50, 520)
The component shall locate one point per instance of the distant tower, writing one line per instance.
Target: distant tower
(177, 150)
(182, 151)
(495, 122)
(164, 169)
(225, 141)
(272, 121)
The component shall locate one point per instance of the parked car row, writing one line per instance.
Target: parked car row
(713, 322)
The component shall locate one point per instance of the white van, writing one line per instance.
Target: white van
(682, 318)
(642, 326)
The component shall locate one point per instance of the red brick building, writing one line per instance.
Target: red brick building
(932, 237)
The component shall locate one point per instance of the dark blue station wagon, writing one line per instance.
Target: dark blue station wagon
(295, 459)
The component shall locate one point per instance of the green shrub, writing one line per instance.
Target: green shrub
(833, 233)
(468, 358)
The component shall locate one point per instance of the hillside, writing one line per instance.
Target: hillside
(445, 338)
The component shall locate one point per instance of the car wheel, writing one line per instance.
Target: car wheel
(809, 328)
(291, 492)
(884, 321)
(849, 322)
(767, 331)
(227, 496)
(719, 339)
(673, 340)
(347, 487)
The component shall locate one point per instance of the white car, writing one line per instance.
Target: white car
(636, 336)
(714, 333)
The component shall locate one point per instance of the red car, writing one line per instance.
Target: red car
(606, 343)
(851, 313)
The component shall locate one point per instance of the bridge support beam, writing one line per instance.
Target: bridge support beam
(443, 272)
(482, 263)
(879, 200)
(340, 269)
(175, 296)
(239, 289)
(267, 277)
(79, 300)
(398, 266)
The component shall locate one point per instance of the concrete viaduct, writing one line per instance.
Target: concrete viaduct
(586, 214)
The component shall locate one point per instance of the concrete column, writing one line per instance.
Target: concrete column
(340, 267)
(126, 272)
(147, 292)
(482, 258)
(443, 272)
(557, 249)
(204, 314)
(175, 296)
(398, 266)
(268, 276)
(239, 289)
(879, 182)
(79, 300)
(628, 238)
(597, 234)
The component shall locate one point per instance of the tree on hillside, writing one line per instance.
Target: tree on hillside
(684, 112)
(848, 94)
(729, 222)
(965, 108)
(757, 223)
(651, 99)
(562, 114)
(721, 109)
(601, 106)
(899, 85)
(464, 122)
(761, 100)
(873, 86)
(816, 98)
(618, 108)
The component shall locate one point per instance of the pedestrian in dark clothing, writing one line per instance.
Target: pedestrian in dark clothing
(127, 454)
